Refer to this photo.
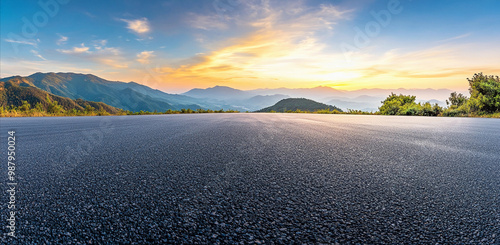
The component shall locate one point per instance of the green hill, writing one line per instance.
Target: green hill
(302, 104)
(14, 92)
(127, 96)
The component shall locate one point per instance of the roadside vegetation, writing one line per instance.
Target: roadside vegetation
(484, 101)
(52, 108)
(406, 105)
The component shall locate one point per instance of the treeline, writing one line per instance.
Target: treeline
(406, 105)
(484, 101)
(53, 108)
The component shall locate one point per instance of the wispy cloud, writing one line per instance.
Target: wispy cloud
(62, 40)
(75, 50)
(206, 22)
(35, 53)
(455, 38)
(138, 26)
(99, 44)
(145, 56)
(32, 42)
(109, 56)
(112, 62)
(89, 14)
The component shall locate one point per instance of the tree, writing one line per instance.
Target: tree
(437, 110)
(25, 107)
(89, 109)
(53, 107)
(456, 99)
(405, 105)
(398, 105)
(39, 107)
(484, 93)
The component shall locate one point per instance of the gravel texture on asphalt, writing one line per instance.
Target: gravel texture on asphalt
(254, 178)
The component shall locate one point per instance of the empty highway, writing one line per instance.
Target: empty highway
(254, 178)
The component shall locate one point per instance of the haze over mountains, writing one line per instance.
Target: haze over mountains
(364, 99)
(135, 97)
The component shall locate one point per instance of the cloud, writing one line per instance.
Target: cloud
(145, 56)
(62, 40)
(278, 45)
(206, 22)
(112, 62)
(445, 66)
(90, 15)
(290, 43)
(100, 43)
(75, 50)
(35, 53)
(139, 26)
(455, 38)
(32, 43)
(109, 56)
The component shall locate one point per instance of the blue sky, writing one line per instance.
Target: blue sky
(178, 45)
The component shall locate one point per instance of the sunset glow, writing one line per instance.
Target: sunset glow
(178, 45)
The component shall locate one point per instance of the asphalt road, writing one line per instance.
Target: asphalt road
(254, 178)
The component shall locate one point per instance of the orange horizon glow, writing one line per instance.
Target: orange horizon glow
(269, 44)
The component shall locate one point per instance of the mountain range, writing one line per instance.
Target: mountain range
(128, 96)
(363, 99)
(135, 97)
(15, 91)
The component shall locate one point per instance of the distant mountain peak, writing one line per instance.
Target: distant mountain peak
(218, 92)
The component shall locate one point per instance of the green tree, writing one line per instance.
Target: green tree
(25, 106)
(484, 93)
(89, 109)
(53, 106)
(406, 105)
(438, 110)
(39, 107)
(456, 99)
(398, 105)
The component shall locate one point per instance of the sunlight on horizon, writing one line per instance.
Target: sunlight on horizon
(176, 46)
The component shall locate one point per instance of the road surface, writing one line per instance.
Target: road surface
(254, 178)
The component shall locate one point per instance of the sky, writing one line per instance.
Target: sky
(177, 45)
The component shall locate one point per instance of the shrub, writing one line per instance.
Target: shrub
(485, 93)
